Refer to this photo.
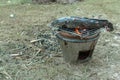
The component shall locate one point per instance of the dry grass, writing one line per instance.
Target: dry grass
(31, 20)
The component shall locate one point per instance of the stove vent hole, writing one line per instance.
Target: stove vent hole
(65, 43)
(84, 54)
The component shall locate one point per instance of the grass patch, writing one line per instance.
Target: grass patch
(20, 1)
(11, 2)
(30, 23)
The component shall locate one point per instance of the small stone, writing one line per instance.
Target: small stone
(12, 15)
(9, 1)
(107, 40)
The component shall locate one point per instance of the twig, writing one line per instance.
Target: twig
(8, 76)
(57, 55)
(36, 53)
(33, 41)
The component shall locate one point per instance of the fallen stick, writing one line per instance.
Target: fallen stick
(33, 41)
(36, 53)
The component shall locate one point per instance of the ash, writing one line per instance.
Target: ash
(48, 42)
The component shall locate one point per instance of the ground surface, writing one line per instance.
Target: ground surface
(42, 60)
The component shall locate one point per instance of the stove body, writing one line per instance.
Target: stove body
(78, 36)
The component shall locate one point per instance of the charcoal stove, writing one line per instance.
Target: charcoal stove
(78, 36)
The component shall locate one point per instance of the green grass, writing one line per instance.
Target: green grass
(31, 20)
(10, 2)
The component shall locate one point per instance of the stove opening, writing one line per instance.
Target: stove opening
(65, 43)
(84, 54)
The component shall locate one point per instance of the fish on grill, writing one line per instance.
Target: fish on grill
(82, 23)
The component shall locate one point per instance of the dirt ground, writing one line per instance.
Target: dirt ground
(23, 59)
